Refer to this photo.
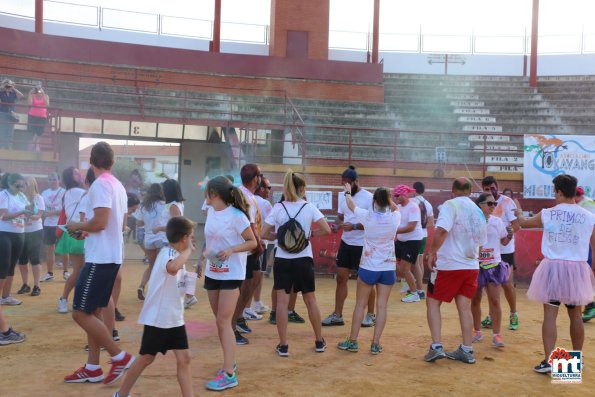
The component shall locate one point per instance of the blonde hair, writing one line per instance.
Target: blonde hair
(32, 189)
(294, 186)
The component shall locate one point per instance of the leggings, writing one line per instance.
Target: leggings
(32, 248)
(11, 245)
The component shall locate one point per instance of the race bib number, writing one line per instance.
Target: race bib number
(19, 221)
(486, 255)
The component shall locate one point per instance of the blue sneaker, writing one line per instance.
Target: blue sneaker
(222, 381)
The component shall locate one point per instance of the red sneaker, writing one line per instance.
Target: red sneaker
(83, 375)
(118, 368)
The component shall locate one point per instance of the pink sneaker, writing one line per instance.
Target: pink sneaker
(118, 368)
(83, 375)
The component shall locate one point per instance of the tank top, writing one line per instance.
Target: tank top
(38, 107)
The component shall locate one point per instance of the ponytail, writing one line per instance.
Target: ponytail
(239, 201)
(229, 194)
(294, 184)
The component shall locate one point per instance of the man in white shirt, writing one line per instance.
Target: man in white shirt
(505, 210)
(350, 250)
(453, 260)
(54, 200)
(420, 188)
(103, 258)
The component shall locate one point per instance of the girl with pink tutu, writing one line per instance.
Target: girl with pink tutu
(563, 276)
(492, 271)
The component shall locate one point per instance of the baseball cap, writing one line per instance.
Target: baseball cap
(401, 190)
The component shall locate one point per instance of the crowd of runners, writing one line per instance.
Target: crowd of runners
(384, 236)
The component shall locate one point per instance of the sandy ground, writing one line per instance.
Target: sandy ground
(54, 348)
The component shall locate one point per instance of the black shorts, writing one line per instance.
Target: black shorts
(11, 246)
(509, 258)
(407, 250)
(294, 275)
(32, 249)
(558, 303)
(213, 285)
(349, 256)
(49, 235)
(160, 340)
(252, 265)
(94, 286)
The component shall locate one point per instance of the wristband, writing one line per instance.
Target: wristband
(348, 193)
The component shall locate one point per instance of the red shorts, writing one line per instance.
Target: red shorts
(450, 283)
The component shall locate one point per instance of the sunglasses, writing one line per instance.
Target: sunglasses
(268, 187)
(490, 203)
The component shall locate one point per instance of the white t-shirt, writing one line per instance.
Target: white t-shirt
(265, 208)
(84, 208)
(53, 202)
(36, 225)
(205, 206)
(362, 199)
(567, 230)
(13, 203)
(255, 214)
(410, 213)
(164, 304)
(379, 239)
(165, 213)
(153, 218)
(429, 212)
(505, 211)
(489, 253)
(106, 246)
(73, 205)
(223, 230)
(467, 228)
(307, 216)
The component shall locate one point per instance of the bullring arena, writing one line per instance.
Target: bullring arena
(190, 92)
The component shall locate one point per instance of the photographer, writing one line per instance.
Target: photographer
(8, 97)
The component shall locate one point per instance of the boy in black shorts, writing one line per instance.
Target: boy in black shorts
(163, 310)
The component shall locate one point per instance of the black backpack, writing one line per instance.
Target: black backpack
(424, 213)
(291, 235)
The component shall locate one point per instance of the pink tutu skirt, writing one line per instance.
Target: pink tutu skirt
(568, 282)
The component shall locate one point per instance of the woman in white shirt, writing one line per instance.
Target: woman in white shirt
(294, 272)
(378, 265)
(492, 271)
(33, 239)
(228, 239)
(563, 276)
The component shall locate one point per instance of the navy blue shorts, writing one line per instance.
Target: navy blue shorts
(384, 277)
(94, 286)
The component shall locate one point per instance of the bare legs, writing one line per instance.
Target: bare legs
(223, 304)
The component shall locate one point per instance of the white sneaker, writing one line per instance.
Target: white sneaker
(59, 265)
(411, 297)
(189, 301)
(369, 320)
(62, 305)
(47, 277)
(260, 307)
(10, 301)
(405, 287)
(250, 314)
(66, 275)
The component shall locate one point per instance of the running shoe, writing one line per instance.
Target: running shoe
(66, 275)
(36, 291)
(333, 319)
(514, 322)
(273, 317)
(242, 326)
(140, 293)
(189, 301)
(59, 265)
(11, 337)
(411, 297)
(320, 346)
(462, 355)
(421, 294)
(115, 335)
(477, 336)
(349, 345)
(588, 314)
(405, 287)
(222, 381)
(260, 307)
(543, 368)
(434, 354)
(251, 315)
(49, 276)
(25, 289)
(487, 322)
(118, 368)
(282, 350)
(62, 305)
(83, 375)
(10, 301)
(497, 341)
(241, 339)
(369, 320)
(119, 316)
(293, 317)
(375, 348)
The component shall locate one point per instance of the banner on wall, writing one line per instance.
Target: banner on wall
(546, 156)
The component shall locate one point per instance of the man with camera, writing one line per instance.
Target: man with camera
(8, 97)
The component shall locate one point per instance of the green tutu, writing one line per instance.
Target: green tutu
(70, 245)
